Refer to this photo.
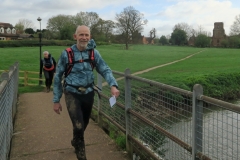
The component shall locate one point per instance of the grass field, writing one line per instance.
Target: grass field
(139, 57)
(209, 63)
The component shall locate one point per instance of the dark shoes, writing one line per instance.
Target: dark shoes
(79, 149)
(48, 89)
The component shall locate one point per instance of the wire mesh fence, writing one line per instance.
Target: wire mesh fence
(8, 102)
(165, 122)
(219, 128)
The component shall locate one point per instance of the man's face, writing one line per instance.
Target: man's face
(45, 55)
(82, 36)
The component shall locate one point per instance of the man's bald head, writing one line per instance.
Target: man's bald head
(82, 27)
(82, 35)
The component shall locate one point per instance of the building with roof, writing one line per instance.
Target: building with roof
(8, 32)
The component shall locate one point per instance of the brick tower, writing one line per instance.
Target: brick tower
(218, 34)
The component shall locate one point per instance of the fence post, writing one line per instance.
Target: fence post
(25, 78)
(127, 106)
(99, 84)
(197, 125)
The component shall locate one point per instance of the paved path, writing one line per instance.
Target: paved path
(41, 134)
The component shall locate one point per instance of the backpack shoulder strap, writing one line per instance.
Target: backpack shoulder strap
(92, 58)
(70, 63)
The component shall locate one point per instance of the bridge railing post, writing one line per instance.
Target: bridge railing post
(99, 84)
(128, 106)
(197, 125)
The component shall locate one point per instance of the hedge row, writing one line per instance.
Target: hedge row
(225, 86)
(35, 43)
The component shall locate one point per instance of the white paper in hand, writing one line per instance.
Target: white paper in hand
(112, 101)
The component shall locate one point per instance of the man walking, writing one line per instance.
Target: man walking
(48, 65)
(78, 85)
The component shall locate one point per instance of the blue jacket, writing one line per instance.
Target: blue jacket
(81, 74)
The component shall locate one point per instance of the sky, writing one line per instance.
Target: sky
(161, 14)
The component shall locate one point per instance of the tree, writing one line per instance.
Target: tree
(152, 35)
(234, 42)
(235, 27)
(202, 41)
(19, 28)
(185, 27)
(107, 29)
(129, 21)
(58, 25)
(201, 31)
(89, 19)
(29, 31)
(23, 24)
(224, 43)
(66, 32)
(178, 37)
(163, 40)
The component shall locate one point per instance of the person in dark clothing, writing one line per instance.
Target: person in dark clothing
(48, 64)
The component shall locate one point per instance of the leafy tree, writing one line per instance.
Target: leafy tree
(19, 28)
(58, 25)
(185, 27)
(202, 41)
(235, 27)
(29, 31)
(108, 27)
(178, 37)
(224, 43)
(163, 40)
(234, 42)
(66, 32)
(129, 21)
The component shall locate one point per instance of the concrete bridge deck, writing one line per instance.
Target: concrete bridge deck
(41, 134)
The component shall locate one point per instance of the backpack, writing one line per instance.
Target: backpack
(71, 60)
(48, 66)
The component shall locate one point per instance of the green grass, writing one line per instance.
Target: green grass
(139, 57)
(210, 61)
(215, 69)
(204, 67)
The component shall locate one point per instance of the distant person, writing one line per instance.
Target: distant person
(48, 65)
(78, 84)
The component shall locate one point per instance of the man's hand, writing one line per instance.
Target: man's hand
(114, 91)
(57, 107)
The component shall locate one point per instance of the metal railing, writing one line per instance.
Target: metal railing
(28, 78)
(8, 104)
(165, 122)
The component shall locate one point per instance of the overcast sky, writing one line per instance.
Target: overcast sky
(161, 14)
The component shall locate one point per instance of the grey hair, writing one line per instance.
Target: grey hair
(46, 52)
(79, 26)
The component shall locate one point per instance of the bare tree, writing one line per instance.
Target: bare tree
(108, 27)
(89, 19)
(152, 35)
(129, 21)
(23, 24)
(202, 31)
(235, 27)
(185, 27)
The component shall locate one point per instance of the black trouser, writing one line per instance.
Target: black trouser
(48, 78)
(79, 109)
